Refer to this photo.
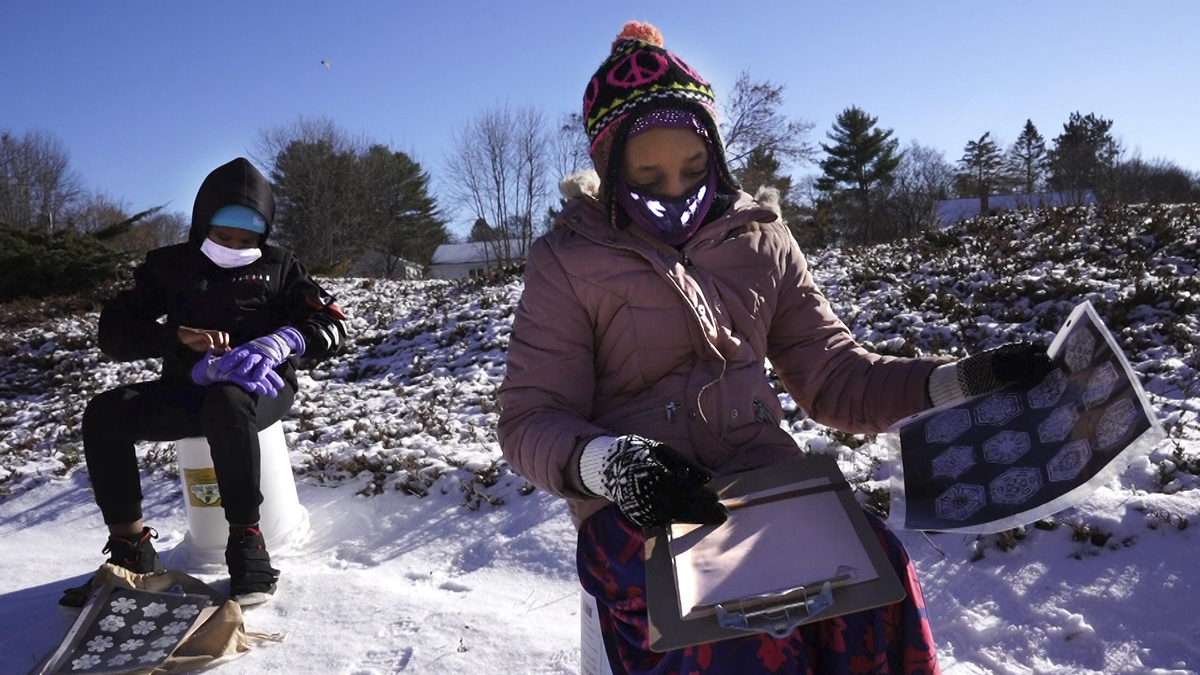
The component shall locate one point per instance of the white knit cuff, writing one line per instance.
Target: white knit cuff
(593, 461)
(944, 386)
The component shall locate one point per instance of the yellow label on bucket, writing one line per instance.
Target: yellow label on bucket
(201, 487)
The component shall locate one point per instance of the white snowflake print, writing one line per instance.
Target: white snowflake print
(175, 628)
(132, 645)
(954, 462)
(1049, 391)
(960, 502)
(119, 660)
(143, 628)
(185, 612)
(1069, 461)
(84, 662)
(1116, 422)
(998, 410)
(1006, 447)
(112, 623)
(948, 425)
(151, 657)
(1081, 348)
(1101, 385)
(154, 609)
(99, 643)
(123, 605)
(164, 642)
(1016, 485)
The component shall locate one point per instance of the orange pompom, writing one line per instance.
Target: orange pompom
(637, 30)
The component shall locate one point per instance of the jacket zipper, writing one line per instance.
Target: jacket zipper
(762, 414)
(669, 409)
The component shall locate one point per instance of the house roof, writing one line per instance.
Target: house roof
(474, 252)
(953, 210)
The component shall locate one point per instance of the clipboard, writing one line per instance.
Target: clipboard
(808, 489)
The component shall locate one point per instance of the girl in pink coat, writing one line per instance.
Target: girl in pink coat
(636, 368)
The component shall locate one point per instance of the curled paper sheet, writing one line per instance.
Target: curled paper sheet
(1016, 455)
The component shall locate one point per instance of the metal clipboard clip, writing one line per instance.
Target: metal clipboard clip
(780, 620)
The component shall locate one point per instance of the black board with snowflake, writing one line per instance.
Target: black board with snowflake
(1018, 454)
(125, 630)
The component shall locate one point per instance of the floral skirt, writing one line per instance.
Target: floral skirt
(895, 639)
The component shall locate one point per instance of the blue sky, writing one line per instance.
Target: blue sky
(147, 97)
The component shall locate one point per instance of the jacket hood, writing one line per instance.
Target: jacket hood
(237, 182)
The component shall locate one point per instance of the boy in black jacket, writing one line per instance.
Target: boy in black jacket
(237, 313)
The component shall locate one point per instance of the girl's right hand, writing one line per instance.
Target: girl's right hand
(201, 340)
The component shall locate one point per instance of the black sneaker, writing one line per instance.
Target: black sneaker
(251, 577)
(135, 554)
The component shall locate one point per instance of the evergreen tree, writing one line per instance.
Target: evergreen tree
(1084, 157)
(315, 214)
(861, 158)
(762, 169)
(981, 166)
(401, 219)
(337, 199)
(481, 231)
(1027, 159)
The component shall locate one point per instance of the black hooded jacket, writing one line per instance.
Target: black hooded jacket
(181, 284)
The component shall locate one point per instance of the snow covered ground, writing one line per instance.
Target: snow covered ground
(427, 554)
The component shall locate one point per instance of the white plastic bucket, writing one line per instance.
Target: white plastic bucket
(283, 520)
(592, 658)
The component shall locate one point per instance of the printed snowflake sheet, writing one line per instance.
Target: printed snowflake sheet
(126, 630)
(1016, 455)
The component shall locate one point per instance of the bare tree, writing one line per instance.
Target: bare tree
(37, 185)
(570, 146)
(922, 179)
(498, 169)
(95, 211)
(752, 119)
(1157, 180)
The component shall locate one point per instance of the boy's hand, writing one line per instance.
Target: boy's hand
(201, 340)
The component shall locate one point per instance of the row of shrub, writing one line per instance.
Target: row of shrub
(36, 264)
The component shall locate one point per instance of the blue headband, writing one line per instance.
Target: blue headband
(244, 217)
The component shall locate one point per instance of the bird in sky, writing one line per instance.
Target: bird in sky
(326, 64)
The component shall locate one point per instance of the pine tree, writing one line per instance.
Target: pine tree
(861, 158)
(761, 168)
(981, 169)
(401, 220)
(1084, 156)
(1027, 158)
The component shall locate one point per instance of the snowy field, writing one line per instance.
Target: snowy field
(427, 554)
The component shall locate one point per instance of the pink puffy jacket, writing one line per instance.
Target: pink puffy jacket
(617, 333)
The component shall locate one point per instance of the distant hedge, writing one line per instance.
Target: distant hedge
(37, 264)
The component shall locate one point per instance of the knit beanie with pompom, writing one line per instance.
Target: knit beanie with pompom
(639, 77)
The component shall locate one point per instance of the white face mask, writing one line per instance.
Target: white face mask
(227, 257)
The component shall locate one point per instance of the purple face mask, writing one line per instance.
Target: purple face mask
(673, 221)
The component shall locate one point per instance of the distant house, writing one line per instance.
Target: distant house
(376, 265)
(950, 211)
(456, 261)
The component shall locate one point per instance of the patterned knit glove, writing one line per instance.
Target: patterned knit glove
(988, 371)
(650, 482)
